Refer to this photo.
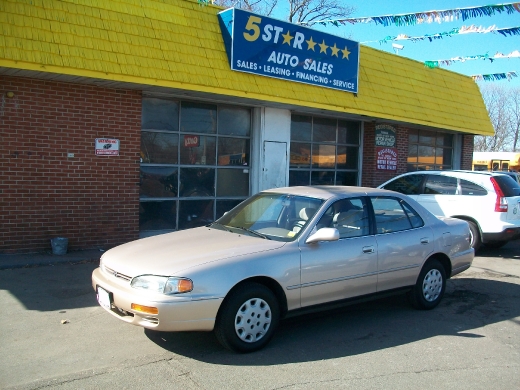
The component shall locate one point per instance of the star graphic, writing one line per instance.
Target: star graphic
(310, 44)
(345, 53)
(323, 47)
(334, 50)
(287, 38)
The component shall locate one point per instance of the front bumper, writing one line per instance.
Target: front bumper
(176, 313)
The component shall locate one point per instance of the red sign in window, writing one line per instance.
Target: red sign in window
(191, 141)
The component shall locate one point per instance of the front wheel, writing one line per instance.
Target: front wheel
(248, 318)
(430, 286)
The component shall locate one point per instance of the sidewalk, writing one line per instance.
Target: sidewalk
(9, 261)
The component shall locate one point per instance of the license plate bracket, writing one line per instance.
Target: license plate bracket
(104, 298)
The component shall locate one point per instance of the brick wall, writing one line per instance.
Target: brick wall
(372, 177)
(92, 200)
(467, 152)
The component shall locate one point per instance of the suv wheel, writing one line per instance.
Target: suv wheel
(475, 240)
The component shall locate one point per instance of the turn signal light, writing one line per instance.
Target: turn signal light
(145, 309)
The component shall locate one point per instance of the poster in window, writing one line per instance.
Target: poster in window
(386, 159)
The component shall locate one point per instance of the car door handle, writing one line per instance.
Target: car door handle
(425, 240)
(368, 249)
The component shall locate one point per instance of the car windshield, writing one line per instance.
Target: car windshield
(273, 216)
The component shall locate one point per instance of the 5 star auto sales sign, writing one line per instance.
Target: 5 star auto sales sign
(273, 48)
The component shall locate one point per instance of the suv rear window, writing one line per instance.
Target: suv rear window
(508, 185)
(469, 188)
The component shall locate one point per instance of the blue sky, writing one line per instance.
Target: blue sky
(456, 46)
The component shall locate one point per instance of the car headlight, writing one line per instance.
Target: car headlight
(162, 284)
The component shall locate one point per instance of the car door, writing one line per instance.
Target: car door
(403, 242)
(340, 269)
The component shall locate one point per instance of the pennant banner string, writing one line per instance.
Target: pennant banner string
(448, 15)
(495, 76)
(448, 62)
(454, 31)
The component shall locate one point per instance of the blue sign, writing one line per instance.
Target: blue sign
(273, 48)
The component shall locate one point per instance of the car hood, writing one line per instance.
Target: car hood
(169, 254)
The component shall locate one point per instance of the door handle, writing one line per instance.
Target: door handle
(368, 249)
(425, 240)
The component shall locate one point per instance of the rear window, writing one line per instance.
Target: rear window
(469, 188)
(508, 185)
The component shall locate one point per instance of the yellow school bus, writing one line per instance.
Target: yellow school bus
(496, 161)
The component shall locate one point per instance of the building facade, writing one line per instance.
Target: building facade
(121, 120)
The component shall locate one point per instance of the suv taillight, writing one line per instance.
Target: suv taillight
(501, 202)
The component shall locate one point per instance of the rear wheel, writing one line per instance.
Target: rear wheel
(475, 240)
(248, 318)
(430, 286)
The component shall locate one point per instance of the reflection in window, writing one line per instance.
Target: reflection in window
(324, 130)
(197, 182)
(408, 185)
(232, 182)
(234, 121)
(440, 185)
(322, 178)
(332, 155)
(300, 155)
(195, 213)
(324, 156)
(429, 150)
(392, 217)
(198, 118)
(301, 126)
(158, 181)
(197, 149)
(179, 145)
(160, 114)
(158, 215)
(299, 178)
(159, 148)
(233, 151)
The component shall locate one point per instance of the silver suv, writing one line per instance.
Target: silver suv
(488, 201)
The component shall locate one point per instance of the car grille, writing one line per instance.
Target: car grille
(116, 274)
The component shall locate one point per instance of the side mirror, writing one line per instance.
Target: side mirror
(324, 234)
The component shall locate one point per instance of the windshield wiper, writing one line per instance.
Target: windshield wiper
(253, 232)
(223, 227)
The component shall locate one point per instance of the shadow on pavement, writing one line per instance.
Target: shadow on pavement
(467, 305)
(52, 287)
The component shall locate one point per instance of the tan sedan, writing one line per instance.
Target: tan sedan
(279, 251)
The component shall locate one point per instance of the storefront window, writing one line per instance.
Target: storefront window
(194, 162)
(429, 150)
(330, 155)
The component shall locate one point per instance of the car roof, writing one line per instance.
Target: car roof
(327, 192)
(454, 172)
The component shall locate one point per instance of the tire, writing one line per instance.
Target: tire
(474, 235)
(248, 318)
(430, 286)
